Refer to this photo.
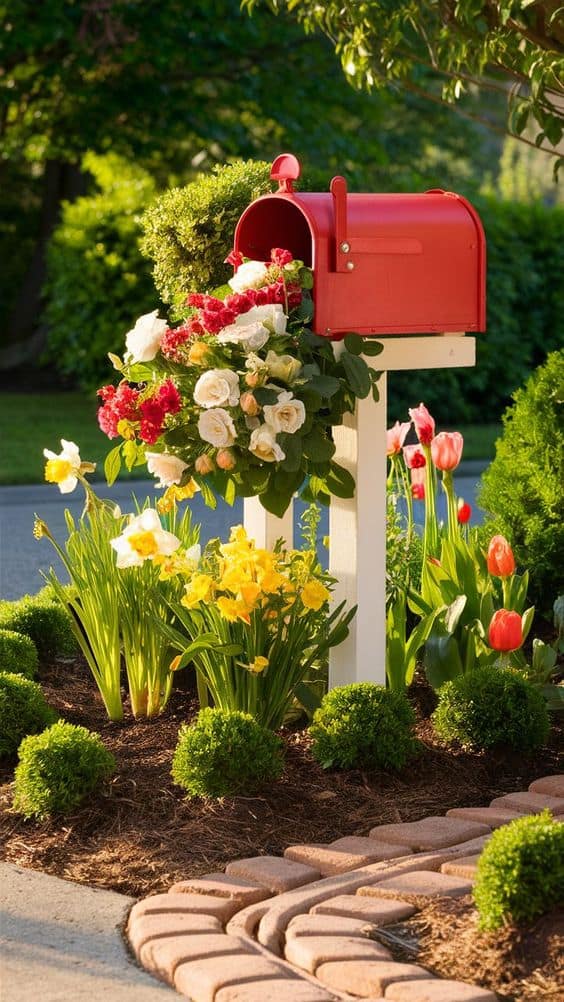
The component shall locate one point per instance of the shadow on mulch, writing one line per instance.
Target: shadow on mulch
(141, 835)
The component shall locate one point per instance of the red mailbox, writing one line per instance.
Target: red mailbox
(383, 264)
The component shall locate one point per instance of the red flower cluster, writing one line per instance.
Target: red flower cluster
(214, 314)
(119, 404)
(175, 338)
(153, 411)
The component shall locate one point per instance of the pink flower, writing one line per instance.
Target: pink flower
(280, 257)
(119, 404)
(235, 258)
(424, 424)
(414, 457)
(446, 450)
(418, 482)
(395, 437)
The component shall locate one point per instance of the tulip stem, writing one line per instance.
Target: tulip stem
(448, 486)
(431, 532)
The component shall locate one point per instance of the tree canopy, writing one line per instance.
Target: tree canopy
(515, 47)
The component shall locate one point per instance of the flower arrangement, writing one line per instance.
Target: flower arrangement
(241, 397)
(253, 622)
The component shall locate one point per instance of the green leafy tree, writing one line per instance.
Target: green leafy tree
(512, 47)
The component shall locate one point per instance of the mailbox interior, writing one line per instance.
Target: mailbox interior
(275, 222)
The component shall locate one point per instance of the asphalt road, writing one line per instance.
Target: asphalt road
(22, 558)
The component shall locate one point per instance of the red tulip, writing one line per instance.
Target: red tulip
(501, 562)
(424, 424)
(395, 437)
(464, 511)
(446, 450)
(506, 631)
(414, 457)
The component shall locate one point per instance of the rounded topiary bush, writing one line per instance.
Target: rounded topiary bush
(522, 488)
(23, 710)
(492, 706)
(58, 768)
(363, 726)
(18, 654)
(225, 752)
(45, 621)
(521, 871)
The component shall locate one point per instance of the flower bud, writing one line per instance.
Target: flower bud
(253, 379)
(198, 353)
(204, 464)
(225, 459)
(249, 404)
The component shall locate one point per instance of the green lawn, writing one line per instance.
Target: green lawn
(30, 422)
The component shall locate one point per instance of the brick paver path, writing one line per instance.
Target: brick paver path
(301, 928)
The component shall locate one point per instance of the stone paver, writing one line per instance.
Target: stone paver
(492, 816)
(370, 909)
(437, 990)
(221, 885)
(367, 977)
(277, 875)
(465, 867)
(275, 990)
(200, 980)
(430, 833)
(552, 785)
(327, 925)
(344, 854)
(531, 803)
(421, 883)
(145, 927)
(308, 952)
(163, 956)
(160, 904)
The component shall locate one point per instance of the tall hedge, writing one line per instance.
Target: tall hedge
(97, 281)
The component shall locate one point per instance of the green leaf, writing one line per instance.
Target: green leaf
(230, 492)
(208, 495)
(441, 660)
(265, 396)
(353, 343)
(326, 386)
(275, 501)
(308, 698)
(129, 449)
(371, 347)
(112, 465)
(291, 445)
(317, 446)
(340, 482)
(454, 612)
(357, 373)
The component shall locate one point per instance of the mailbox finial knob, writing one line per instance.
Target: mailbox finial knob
(285, 169)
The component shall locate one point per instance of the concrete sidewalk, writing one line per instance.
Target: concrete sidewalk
(61, 942)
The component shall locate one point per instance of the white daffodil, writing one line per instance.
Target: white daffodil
(63, 469)
(143, 539)
(143, 340)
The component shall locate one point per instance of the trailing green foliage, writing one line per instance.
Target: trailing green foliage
(363, 726)
(18, 654)
(521, 872)
(23, 710)
(44, 620)
(492, 706)
(522, 489)
(525, 320)
(225, 752)
(58, 769)
(97, 281)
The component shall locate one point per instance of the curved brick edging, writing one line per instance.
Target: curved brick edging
(298, 928)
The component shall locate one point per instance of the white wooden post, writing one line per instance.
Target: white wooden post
(265, 528)
(357, 527)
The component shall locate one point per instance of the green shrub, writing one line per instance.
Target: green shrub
(225, 752)
(523, 488)
(58, 769)
(97, 281)
(525, 320)
(363, 726)
(521, 872)
(45, 621)
(23, 710)
(492, 706)
(18, 654)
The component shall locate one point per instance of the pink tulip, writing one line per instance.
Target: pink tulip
(418, 482)
(446, 450)
(395, 437)
(424, 424)
(414, 457)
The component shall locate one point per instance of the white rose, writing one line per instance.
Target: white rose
(251, 337)
(272, 316)
(143, 341)
(283, 367)
(250, 275)
(216, 427)
(286, 414)
(216, 387)
(167, 468)
(263, 445)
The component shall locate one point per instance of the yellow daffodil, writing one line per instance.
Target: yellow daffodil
(258, 665)
(199, 589)
(314, 595)
(233, 609)
(174, 493)
(249, 593)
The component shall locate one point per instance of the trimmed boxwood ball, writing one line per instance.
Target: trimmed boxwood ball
(44, 621)
(58, 769)
(18, 654)
(363, 726)
(23, 710)
(521, 872)
(225, 752)
(492, 706)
